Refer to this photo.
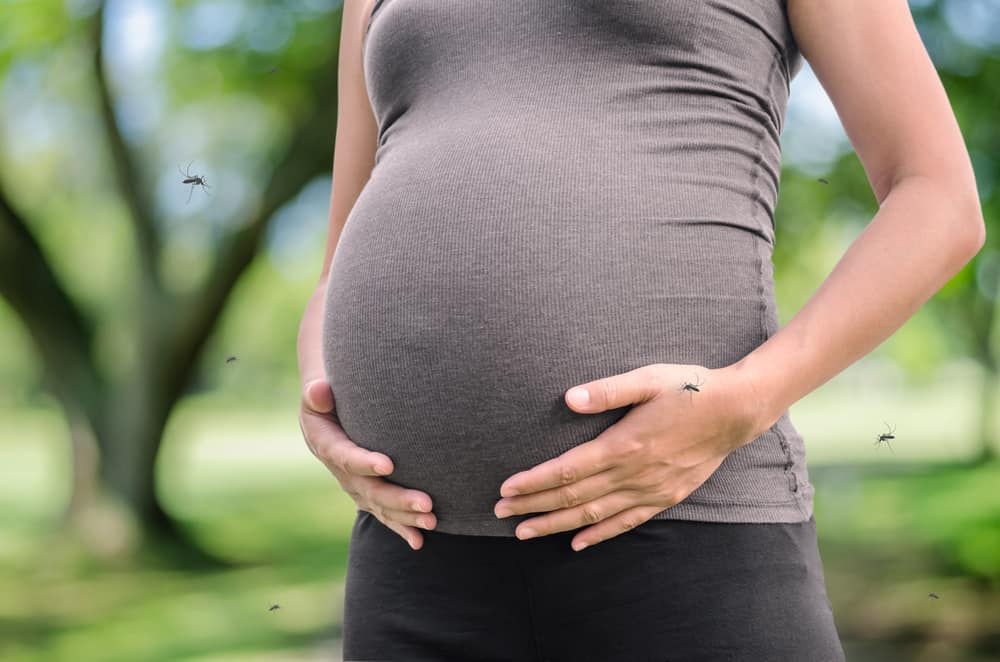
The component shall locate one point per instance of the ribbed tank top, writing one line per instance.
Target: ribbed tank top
(563, 190)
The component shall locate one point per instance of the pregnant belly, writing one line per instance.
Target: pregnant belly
(449, 346)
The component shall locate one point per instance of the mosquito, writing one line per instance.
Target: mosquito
(273, 607)
(193, 180)
(822, 180)
(934, 595)
(231, 359)
(692, 387)
(884, 437)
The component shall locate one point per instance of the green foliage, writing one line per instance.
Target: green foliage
(30, 28)
(228, 104)
(951, 511)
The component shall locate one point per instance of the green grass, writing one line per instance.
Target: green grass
(893, 528)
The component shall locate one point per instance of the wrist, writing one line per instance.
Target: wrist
(764, 408)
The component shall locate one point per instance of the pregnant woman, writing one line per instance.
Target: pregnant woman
(530, 196)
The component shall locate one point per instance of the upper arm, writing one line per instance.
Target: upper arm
(869, 58)
(355, 142)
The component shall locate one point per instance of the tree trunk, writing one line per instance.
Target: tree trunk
(114, 510)
(130, 444)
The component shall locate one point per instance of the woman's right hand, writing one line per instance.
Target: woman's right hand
(359, 470)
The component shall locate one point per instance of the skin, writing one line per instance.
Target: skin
(874, 67)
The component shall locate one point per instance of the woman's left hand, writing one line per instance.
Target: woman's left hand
(668, 444)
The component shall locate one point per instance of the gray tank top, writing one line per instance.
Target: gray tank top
(563, 190)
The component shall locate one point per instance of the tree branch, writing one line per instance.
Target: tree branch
(125, 167)
(59, 330)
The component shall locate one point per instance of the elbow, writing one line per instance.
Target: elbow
(966, 228)
(962, 228)
(961, 213)
(973, 234)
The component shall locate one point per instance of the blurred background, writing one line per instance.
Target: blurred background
(157, 501)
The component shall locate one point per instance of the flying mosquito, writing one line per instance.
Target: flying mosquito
(884, 437)
(822, 180)
(231, 359)
(934, 595)
(274, 607)
(194, 180)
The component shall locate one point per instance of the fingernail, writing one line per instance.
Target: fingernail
(579, 396)
(380, 469)
(527, 533)
(577, 546)
(503, 511)
(421, 508)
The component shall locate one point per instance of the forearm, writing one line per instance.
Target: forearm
(917, 241)
(309, 343)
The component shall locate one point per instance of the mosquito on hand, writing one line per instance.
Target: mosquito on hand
(692, 387)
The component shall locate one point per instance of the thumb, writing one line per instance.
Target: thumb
(628, 388)
(318, 396)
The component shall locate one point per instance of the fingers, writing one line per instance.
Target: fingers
(347, 460)
(340, 452)
(328, 442)
(360, 471)
(621, 522)
(397, 498)
(318, 396)
(632, 387)
(565, 496)
(403, 510)
(407, 517)
(393, 506)
(412, 536)
(587, 459)
(591, 512)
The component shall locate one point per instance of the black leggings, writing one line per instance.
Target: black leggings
(668, 590)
